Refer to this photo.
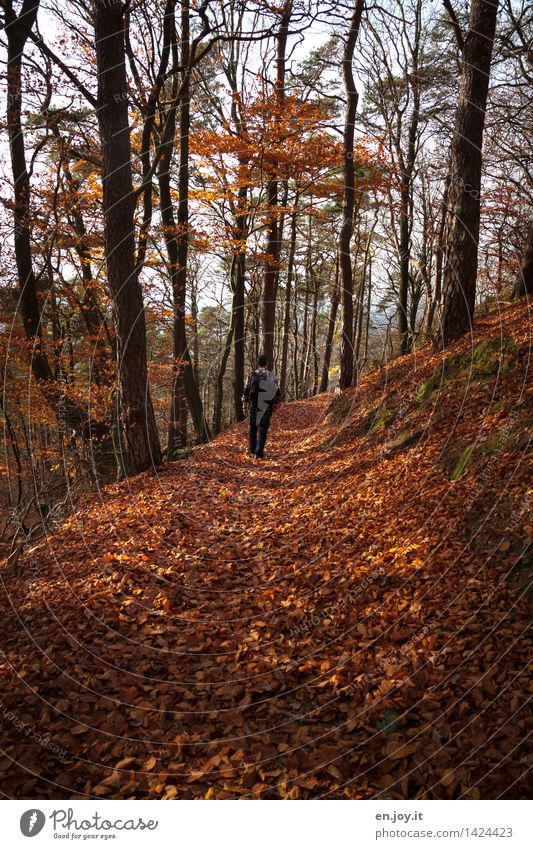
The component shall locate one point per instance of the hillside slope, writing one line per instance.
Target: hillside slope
(347, 620)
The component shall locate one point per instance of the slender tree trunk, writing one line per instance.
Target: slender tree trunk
(177, 429)
(435, 303)
(405, 242)
(288, 296)
(406, 194)
(359, 324)
(305, 323)
(238, 276)
(177, 243)
(273, 239)
(240, 236)
(314, 321)
(368, 308)
(352, 97)
(239, 336)
(194, 330)
(462, 220)
(295, 347)
(12, 440)
(219, 385)
(332, 320)
(524, 283)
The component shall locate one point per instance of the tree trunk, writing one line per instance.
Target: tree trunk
(219, 384)
(359, 323)
(238, 276)
(177, 244)
(273, 239)
(368, 309)
(17, 30)
(177, 428)
(288, 295)
(462, 220)
(314, 322)
(296, 384)
(332, 320)
(305, 323)
(239, 335)
(406, 193)
(435, 303)
(524, 283)
(346, 375)
(142, 438)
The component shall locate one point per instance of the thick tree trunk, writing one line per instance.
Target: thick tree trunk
(352, 97)
(524, 283)
(462, 220)
(142, 438)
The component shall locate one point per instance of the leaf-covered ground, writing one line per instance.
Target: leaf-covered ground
(346, 620)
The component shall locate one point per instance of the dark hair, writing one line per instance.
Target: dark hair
(262, 360)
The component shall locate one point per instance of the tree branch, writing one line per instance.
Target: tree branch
(456, 26)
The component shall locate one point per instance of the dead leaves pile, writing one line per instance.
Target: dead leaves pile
(343, 621)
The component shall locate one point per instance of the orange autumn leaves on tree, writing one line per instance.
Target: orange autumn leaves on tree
(293, 141)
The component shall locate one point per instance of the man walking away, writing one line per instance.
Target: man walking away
(260, 397)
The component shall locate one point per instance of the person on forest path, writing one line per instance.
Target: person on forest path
(260, 397)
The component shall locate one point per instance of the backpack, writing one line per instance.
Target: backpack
(255, 383)
(255, 387)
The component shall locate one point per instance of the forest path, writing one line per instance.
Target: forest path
(336, 621)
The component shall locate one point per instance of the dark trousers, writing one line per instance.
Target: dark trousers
(258, 432)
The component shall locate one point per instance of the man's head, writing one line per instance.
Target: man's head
(262, 361)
